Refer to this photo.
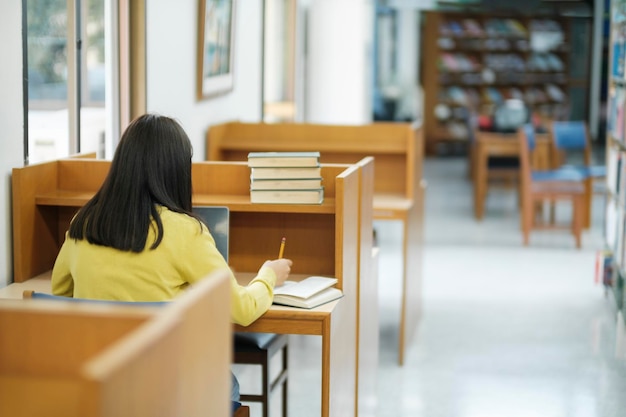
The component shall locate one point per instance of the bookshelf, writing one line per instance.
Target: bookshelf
(615, 219)
(472, 61)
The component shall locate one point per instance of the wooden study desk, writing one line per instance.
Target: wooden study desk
(399, 189)
(491, 144)
(322, 240)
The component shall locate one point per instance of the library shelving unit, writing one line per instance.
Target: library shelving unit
(471, 61)
(615, 268)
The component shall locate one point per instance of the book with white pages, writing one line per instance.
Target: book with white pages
(285, 173)
(287, 184)
(308, 293)
(303, 196)
(283, 159)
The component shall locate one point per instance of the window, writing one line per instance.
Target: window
(65, 49)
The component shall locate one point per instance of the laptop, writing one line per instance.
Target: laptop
(217, 218)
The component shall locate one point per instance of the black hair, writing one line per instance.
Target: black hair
(151, 167)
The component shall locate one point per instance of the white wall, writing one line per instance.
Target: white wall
(172, 33)
(11, 123)
(339, 62)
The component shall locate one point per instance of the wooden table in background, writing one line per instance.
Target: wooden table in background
(491, 144)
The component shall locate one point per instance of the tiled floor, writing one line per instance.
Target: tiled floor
(507, 330)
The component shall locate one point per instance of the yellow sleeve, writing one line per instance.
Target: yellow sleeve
(250, 302)
(62, 282)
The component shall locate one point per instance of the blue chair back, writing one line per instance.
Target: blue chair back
(44, 296)
(570, 135)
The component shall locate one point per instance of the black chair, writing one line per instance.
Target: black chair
(259, 349)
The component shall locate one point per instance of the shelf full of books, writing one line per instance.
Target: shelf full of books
(285, 178)
(615, 218)
(474, 61)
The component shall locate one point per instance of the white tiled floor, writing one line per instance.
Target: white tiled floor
(507, 330)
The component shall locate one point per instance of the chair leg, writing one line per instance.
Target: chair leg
(537, 212)
(552, 212)
(527, 215)
(577, 221)
(586, 216)
(266, 387)
(286, 380)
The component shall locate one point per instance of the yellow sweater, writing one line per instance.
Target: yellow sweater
(186, 254)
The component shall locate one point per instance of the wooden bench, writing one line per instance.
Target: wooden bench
(399, 190)
(64, 358)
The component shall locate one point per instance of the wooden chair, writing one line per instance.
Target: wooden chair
(570, 139)
(538, 187)
(259, 349)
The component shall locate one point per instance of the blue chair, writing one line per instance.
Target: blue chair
(538, 187)
(573, 136)
(571, 140)
(564, 173)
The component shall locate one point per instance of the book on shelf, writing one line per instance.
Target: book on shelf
(308, 293)
(303, 196)
(613, 169)
(285, 173)
(286, 184)
(283, 159)
(610, 225)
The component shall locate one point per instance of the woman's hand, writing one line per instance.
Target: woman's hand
(282, 268)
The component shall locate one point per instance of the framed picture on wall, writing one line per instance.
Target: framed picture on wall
(216, 21)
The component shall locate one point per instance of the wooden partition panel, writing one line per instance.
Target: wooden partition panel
(411, 307)
(134, 376)
(34, 229)
(367, 328)
(82, 175)
(255, 238)
(45, 198)
(344, 327)
(43, 348)
(388, 142)
(66, 359)
(205, 383)
(48, 337)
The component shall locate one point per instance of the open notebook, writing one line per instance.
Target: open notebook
(217, 218)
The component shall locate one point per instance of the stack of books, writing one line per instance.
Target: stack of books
(285, 178)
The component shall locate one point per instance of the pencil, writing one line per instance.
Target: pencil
(282, 248)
